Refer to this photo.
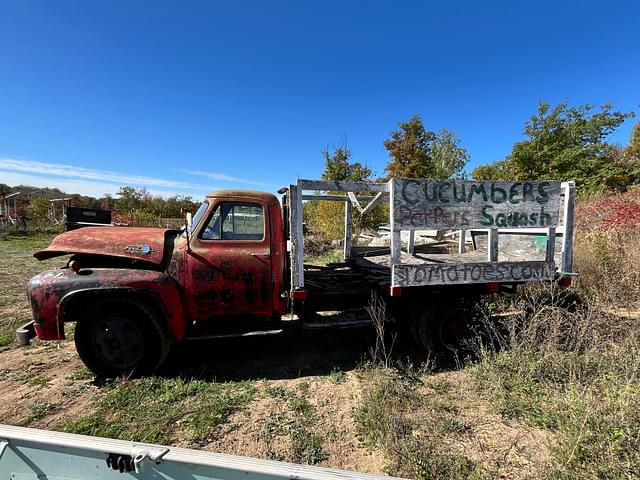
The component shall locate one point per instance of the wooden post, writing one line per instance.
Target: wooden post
(348, 215)
(551, 245)
(296, 237)
(411, 242)
(567, 220)
(461, 241)
(394, 258)
(493, 245)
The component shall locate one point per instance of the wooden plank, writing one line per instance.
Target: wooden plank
(348, 217)
(412, 242)
(492, 252)
(371, 205)
(394, 257)
(461, 241)
(337, 198)
(296, 238)
(331, 198)
(395, 248)
(466, 273)
(454, 204)
(354, 201)
(567, 220)
(336, 186)
(521, 231)
(551, 245)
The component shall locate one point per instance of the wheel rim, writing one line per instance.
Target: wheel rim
(453, 329)
(118, 341)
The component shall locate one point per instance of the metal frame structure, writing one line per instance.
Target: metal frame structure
(31, 453)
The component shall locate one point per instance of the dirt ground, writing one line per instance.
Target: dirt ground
(46, 386)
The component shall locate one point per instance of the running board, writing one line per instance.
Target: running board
(257, 333)
(334, 324)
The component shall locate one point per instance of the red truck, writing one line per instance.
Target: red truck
(237, 267)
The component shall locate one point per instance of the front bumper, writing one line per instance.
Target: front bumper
(25, 333)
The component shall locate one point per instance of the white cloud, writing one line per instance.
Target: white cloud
(223, 178)
(84, 187)
(107, 177)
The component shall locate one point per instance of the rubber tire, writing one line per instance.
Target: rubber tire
(156, 340)
(432, 325)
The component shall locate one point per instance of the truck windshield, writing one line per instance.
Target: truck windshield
(199, 214)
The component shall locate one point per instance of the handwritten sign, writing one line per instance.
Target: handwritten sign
(463, 204)
(461, 273)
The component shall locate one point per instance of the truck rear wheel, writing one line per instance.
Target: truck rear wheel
(442, 327)
(121, 337)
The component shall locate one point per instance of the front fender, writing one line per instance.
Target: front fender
(52, 293)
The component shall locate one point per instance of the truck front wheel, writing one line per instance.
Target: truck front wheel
(121, 337)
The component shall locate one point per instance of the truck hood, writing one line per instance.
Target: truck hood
(145, 244)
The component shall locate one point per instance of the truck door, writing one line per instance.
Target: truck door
(230, 262)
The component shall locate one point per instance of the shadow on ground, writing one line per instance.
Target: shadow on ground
(289, 355)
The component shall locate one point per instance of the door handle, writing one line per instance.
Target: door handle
(256, 254)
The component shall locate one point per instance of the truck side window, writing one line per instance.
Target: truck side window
(235, 221)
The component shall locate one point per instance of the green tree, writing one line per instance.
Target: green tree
(338, 165)
(419, 153)
(449, 158)
(327, 217)
(566, 143)
(130, 199)
(493, 171)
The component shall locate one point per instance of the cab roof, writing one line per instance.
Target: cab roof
(253, 194)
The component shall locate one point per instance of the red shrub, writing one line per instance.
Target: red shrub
(610, 211)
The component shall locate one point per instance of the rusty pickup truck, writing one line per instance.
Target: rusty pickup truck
(237, 267)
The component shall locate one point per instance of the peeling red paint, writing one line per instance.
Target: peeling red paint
(146, 244)
(197, 282)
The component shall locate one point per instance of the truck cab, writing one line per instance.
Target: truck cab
(135, 291)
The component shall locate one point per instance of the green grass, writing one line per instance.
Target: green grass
(391, 412)
(17, 266)
(297, 423)
(156, 409)
(590, 401)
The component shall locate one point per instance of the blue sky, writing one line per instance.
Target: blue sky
(185, 97)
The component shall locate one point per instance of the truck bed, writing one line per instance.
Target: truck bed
(515, 232)
(512, 248)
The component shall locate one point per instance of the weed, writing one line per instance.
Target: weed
(277, 391)
(307, 447)
(83, 373)
(39, 411)
(337, 376)
(296, 423)
(39, 380)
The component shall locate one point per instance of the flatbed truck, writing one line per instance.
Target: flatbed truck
(238, 267)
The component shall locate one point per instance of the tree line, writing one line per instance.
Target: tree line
(130, 204)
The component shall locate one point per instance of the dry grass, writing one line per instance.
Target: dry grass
(17, 265)
(571, 363)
